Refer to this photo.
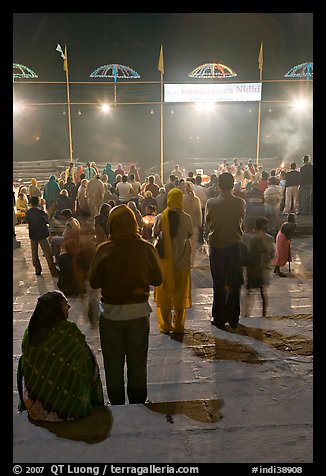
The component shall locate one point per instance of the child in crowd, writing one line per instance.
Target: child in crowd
(261, 250)
(148, 222)
(283, 253)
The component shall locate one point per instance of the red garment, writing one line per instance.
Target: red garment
(153, 188)
(263, 184)
(283, 252)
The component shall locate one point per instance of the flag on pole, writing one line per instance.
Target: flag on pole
(65, 61)
(58, 48)
(63, 56)
(160, 65)
(260, 57)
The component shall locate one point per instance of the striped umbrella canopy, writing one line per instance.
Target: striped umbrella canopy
(212, 70)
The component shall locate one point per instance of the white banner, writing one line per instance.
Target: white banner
(212, 92)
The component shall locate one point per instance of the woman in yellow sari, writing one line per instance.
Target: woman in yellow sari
(175, 291)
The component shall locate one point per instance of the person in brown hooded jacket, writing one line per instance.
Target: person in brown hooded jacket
(124, 267)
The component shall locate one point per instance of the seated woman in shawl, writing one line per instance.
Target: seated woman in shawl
(58, 376)
(175, 291)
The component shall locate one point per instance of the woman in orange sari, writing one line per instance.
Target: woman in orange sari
(175, 291)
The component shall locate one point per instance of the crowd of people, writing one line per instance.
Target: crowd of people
(147, 234)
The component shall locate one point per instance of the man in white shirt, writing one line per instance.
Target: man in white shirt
(124, 189)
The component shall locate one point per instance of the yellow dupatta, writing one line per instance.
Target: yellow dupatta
(174, 201)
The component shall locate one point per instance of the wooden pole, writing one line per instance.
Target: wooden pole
(68, 101)
(260, 62)
(161, 132)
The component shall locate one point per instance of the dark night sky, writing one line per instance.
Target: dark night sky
(133, 39)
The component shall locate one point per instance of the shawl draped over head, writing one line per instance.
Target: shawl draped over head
(34, 182)
(174, 201)
(47, 313)
(122, 223)
(59, 369)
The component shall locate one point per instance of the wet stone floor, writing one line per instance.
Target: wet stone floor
(247, 391)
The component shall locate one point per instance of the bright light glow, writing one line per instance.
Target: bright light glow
(105, 108)
(18, 107)
(300, 104)
(205, 106)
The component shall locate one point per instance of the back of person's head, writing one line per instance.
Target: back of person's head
(84, 182)
(148, 193)
(82, 176)
(125, 178)
(226, 181)
(47, 313)
(261, 223)
(105, 209)
(34, 201)
(293, 165)
(66, 213)
(118, 177)
(272, 181)
(172, 178)
(122, 222)
(175, 199)
(291, 218)
(198, 179)
(306, 158)
(190, 174)
(189, 187)
(69, 179)
(131, 175)
(264, 175)
(64, 192)
(151, 179)
(162, 190)
(273, 173)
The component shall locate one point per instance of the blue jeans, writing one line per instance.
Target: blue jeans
(226, 271)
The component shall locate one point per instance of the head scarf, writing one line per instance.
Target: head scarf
(122, 223)
(34, 182)
(175, 199)
(47, 313)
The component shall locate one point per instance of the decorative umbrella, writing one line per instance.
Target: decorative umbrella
(114, 71)
(304, 70)
(21, 71)
(212, 70)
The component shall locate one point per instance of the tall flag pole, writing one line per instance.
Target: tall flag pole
(64, 55)
(260, 65)
(160, 67)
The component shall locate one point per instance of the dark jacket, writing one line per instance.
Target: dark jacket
(306, 174)
(292, 178)
(38, 222)
(124, 270)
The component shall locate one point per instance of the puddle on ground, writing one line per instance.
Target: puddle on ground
(214, 348)
(294, 344)
(92, 429)
(204, 411)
